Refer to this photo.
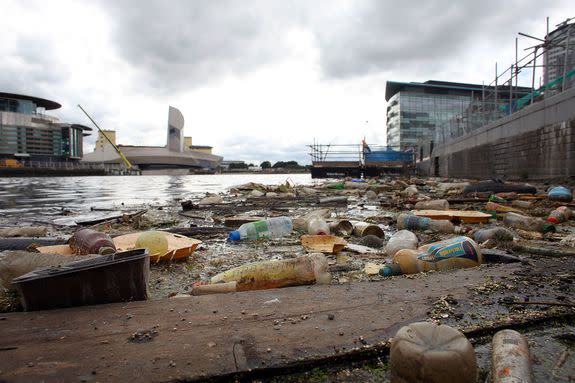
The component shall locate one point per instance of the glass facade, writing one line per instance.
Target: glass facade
(24, 132)
(413, 117)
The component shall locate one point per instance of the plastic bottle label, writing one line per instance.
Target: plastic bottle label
(262, 229)
(414, 222)
(458, 247)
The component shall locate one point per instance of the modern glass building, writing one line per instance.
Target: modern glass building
(26, 132)
(420, 113)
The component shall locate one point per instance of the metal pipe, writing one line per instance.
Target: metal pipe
(546, 45)
(511, 90)
(495, 100)
(533, 78)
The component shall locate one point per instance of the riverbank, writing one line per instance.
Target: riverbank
(266, 333)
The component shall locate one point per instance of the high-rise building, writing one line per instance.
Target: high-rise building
(27, 132)
(418, 112)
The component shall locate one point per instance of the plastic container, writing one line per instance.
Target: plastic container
(522, 222)
(454, 253)
(427, 352)
(305, 270)
(318, 226)
(403, 239)
(495, 198)
(510, 358)
(270, 228)
(561, 214)
(496, 233)
(88, 241)
(412, 222)
(522, 204)
(343, 227)
(436, 204)
(560, 193)
(499, 208)
(111, 278)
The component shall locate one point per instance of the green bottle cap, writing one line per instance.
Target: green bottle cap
(548, 227)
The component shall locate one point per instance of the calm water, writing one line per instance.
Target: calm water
(44, 197)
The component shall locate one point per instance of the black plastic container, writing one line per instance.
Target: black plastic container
(111, 278)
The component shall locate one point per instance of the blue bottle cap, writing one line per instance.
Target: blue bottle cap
(234, 235)
(389, 270)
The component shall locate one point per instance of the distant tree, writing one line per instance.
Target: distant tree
(239, 165)
(266, 165)
(284, 165)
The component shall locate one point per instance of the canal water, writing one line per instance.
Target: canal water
(42, 197)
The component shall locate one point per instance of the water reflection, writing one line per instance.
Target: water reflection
(40, 197)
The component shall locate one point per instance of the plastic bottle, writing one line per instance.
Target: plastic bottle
(499, 208)
(561, 214)
(495, 198)
(318, 226)
(403, 239)
(427, 352)
(522, 204)
(561, 194)
(436, 204)
(522, 222)
(454, 253)
(413, 222)
(269, 228)
(510, 359)
(304, 270)
(88, 241)
(497, 233)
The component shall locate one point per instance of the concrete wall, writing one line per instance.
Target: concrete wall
(537, 142)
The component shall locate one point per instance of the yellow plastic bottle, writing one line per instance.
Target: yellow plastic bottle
(454, 253)
(304, 270)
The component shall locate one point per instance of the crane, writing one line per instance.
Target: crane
(122, 156)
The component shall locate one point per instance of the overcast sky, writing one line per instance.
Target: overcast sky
(256, 79)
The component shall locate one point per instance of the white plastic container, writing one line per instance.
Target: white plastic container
(403, 239)
(269, 228)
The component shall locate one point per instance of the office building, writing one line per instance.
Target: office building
(27, 133)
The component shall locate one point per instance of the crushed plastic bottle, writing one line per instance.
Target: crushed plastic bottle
(88, 241)
(522, 222)
(403, 239)
(413, 222)
(304, 270)
(454, 253)
(496, 233)
(499, 208)
(269, 228)
(561, 214)
(436, 204)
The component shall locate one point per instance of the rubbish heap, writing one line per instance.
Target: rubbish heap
(335, 232)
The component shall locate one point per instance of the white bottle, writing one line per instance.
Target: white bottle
(269, 228)
(403, 239)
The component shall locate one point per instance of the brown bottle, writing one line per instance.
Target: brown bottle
(88, 241)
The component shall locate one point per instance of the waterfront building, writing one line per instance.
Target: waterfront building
(417, 113)
(178, 156)
(559, 59)
(28, 134)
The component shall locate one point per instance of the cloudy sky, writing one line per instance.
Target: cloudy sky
(256, 79)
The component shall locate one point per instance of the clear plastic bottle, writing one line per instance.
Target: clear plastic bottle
(454, 253)
(522, 222)
(88, 241)
(561, 214)
(403, 239)
(435, 204)
(497, 233)
(413, 222)
(269, 228)
(510, 359)
(318, 226)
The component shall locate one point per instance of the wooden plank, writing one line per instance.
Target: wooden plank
(212, 335)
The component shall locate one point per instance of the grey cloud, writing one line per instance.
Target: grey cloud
(415, 36)
(185, 44)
